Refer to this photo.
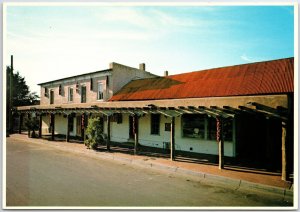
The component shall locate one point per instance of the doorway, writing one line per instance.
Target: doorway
(131, 128)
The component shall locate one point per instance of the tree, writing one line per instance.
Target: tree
(21, 93)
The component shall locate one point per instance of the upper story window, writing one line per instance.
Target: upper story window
(60, 90)
(155, 124)
(46, 93)
(83, 94)
(70, 94)
(100, 91)
(51, 96)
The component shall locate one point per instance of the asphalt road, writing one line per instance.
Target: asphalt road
(39, 175)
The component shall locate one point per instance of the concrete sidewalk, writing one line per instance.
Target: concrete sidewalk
(235, 177)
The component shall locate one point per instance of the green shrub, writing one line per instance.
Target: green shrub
(94, 133)
(32, 125)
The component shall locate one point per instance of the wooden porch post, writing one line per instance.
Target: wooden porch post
(40, 125)
(83, 120)
(283, 150)
(136, 133)
(68, 129)
(20, 123)
(28, 116)
(172, 138)
(52, 126)
(221, 142)
(108, 134)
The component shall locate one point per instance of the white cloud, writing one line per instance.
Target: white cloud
(251, 59)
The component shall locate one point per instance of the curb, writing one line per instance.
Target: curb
(285, 193)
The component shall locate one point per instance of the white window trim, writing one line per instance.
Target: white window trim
(98, 83)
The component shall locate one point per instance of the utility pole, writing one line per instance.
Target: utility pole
(10, 118)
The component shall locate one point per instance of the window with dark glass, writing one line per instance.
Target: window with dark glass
(83, 94)
(193, 126)
(46, 92)
(70, 95)
(155, 124)
(211, 128)
(91, 84)
(60, 90)
(51, 97)
(117, 117)
(228, 130)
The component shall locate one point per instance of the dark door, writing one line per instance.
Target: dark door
(131, 133)
(51, 97)
(83, 94)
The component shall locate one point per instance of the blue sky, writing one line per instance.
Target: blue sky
(52, 42)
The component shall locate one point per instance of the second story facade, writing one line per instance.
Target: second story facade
(91, 87)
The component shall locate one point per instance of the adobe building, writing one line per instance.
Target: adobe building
(243, 112)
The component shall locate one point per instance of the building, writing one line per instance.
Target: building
(243, 111)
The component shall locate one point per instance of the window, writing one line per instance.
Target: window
(46, 92)
(117, 117)
(91, 84)
(100, 91)
(60, 90)
(83, 94)
(228, 130)
(211, 128)
(193, 126)
(155, 124)
(51, 97)
(168, 127)
(70, 94)
(204, 127)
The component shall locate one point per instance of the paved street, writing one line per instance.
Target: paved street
(39, 175)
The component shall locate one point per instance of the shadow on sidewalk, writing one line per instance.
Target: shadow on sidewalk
(231, 164)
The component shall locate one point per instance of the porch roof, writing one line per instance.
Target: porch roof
(225, 112)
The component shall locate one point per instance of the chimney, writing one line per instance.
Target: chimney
(111, 65)
(143, 66)
(166, 73)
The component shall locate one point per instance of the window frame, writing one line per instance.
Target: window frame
(69, 96)
(81, 96)
(207, 129)
(51, 94)
(100, 96)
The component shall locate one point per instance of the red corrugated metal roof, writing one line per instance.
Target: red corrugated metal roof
(270, 77)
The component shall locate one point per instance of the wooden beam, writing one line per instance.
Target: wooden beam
(220, 141)
(108, 134)
(172, 142)
(20, 123)
(40, 125)
(28, 116)
(68, 128)
(136, 133)
(52, 116)
(283, 152)
(83, 120)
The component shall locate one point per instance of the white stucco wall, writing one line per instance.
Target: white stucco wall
(45, 124)
(60, 125)
(120, 133)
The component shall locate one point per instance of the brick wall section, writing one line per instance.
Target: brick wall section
(91, 95)
(118, 76)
